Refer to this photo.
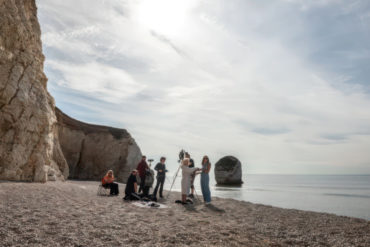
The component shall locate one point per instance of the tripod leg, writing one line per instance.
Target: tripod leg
(173, 181)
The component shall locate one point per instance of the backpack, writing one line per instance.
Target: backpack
(149, 178)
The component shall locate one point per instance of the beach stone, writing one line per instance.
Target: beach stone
(228, 171)
(92, 150)
(29, 145)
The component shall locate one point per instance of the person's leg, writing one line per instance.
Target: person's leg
(156, 187)
(161, 187)
(202, 186)
(146, 191)
(115, 188)
(183, 198)
(110, 186)
(207, 190)
(142, 184)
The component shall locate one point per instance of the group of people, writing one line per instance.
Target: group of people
(143, 177)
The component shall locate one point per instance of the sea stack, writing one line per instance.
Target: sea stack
(228, 171)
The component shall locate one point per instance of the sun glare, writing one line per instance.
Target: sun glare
(167, 17)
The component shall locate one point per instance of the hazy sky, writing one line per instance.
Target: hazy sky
(282, 85)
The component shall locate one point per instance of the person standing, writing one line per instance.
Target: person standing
(187, 172)
(161, 176)
(149, 180)
(191, 165)
(108, 182)
(204, 179)
(142, 168)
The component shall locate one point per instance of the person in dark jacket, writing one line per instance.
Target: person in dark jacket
(142, 167)
(191, 165)
(131, 187)
(161, 176)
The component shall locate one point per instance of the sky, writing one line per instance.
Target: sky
(283, 85)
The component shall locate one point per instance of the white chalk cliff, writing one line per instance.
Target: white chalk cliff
(30, 148)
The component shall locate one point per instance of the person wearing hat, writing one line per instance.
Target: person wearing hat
(131, 187)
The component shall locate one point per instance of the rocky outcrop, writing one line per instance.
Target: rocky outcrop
(228, 171)
(91, 150)
(29, 148)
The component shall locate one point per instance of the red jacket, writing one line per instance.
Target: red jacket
(141, 167)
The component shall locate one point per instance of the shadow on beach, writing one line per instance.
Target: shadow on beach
(214, 208)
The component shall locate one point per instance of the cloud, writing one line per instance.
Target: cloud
(98, 80)
(275, 83)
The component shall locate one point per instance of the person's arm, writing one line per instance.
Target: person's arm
(208, 168)
(135, 187)
(189, 169)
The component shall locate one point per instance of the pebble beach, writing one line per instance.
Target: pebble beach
(71, 214)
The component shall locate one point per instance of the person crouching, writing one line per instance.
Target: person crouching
(108, 182)
(131, 187)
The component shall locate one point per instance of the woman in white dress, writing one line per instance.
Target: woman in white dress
(186, 178)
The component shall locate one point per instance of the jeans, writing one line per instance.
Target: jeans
(204, 184)
(160, 182)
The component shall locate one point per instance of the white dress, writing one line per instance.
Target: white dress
(186, 178)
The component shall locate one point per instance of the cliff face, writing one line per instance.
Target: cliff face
(30, 148)
(91, 150)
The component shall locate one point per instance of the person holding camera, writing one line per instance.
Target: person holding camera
(161, 176)
(191, 165)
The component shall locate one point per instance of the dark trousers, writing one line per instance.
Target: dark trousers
(131, 197)
(113, 188)
(146, 191)
(160, 183)
(142, 184)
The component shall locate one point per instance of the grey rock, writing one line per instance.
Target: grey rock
(228, 171)
(92, 150)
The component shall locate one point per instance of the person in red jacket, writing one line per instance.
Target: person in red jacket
(108, 182)
(142, 167)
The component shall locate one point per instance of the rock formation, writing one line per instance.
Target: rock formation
(228, 171)
(29, 148)
(91, 150)
(29, 140)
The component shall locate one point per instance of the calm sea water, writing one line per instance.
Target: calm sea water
(347, 195)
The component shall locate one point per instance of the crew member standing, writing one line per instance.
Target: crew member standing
(142, 167)
(161, 176)
(191, 165)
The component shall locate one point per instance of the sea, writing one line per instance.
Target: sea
(345, 195)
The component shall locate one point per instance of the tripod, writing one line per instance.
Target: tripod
(181, 157)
